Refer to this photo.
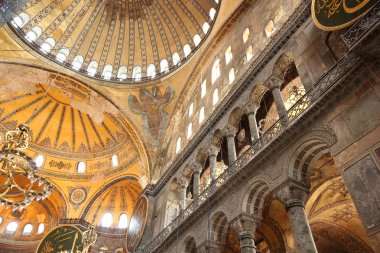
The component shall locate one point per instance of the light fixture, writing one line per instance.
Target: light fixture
(19, 183)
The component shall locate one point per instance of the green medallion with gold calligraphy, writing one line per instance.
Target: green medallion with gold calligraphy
(64, 238)
(337, 14)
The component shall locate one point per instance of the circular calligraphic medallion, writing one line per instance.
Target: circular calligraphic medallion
(337, 14)
(65, 238)
(78, 195)
(137, 224)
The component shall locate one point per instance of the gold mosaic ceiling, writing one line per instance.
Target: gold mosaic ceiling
(108, 39)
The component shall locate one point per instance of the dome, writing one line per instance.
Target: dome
(116, 40)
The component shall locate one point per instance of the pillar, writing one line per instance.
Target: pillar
(274, 84)
(294, 196)
(230, 133)
(183, 183)
(197, 167)
(246, 226)
(212, 157)
(251, 110)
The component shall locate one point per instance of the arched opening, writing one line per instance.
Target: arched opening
(215, 97)
(197, 39)
(136, 73)
(107, 72)
(164, 66)
(122, 73)
(107, 220)
(228, 55)
(77, 62)
(27, 229)
(187, 50)
(190, 246)
(246, 34)
(215, 74)
(81, 167)
(176, 58)
(172, 202)
(62, 54)
(123, 221)
(151, 71)
(231, 76)
(33, 34)
(92, 67)
(205, 27)
(47, 45)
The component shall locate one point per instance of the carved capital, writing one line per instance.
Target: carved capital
(251, 108)
(274, 82)
(229, 131)
(197, 167)
(246, 224)
(292, 195)
(183, 182)
(213, 150)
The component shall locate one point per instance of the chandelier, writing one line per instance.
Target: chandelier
(19, 184)
(10, 8)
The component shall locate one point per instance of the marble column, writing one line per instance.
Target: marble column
(294, 196)
(212, 157)
(246, 226)
(251, 110)
(230, 133)
(274, 84)
(197, 168)
(183, 183)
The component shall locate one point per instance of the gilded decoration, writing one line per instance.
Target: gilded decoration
(64, 238)
(337, 14)
(77, 195)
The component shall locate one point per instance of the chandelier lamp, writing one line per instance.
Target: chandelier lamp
(19, 183)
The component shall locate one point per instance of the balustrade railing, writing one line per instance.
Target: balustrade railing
(293, 114)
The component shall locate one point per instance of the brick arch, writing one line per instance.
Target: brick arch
(219, 226)
(235, 116)
(254, 198)
(281, 65)
(189, 245)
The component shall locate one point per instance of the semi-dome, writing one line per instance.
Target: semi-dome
(117, 40)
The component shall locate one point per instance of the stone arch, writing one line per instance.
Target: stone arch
(217, 136)
(282, 63)
(257, 93)
(187, 171)
(219, 226)
(254, 198)
(235, 116)
(307, 150)
(202, 155)
(189, 245)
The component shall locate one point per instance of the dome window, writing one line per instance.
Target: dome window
(197, 39)
(201, 114)
(41, 228)
(189, 130)
(62, 54)
(106, 220)
(136, 73)
(151, 71)
(115, 160)
(215, 71)
(249, 53)
(191, 109)
(176, 58)
(1, 220)
(187, 50)
(33, 34)
(21, 20)
(39, 160)
(92, 67)
(231, 76)
(123, 221)
(228, 55)
(205, 27)
(81, 168)
(77, 62)
(122, 73)
(215, 97)
(11, 227)
(203, 88)
(164, 66)
(246, 35)
(212, 13)
(178, 146)
(27, 229)
(47, 45)
(107, 72)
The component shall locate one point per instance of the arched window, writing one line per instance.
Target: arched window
(215, 71)
(189, 130)
(187, 50)
(201, 114)
(217, 1)
(107, 72)
(106, 220)
(203, 88)
(197, 39)
(136, 73)
(39, 160)
(21, 20)
(33, 34)
(215, 97)
(122, 73)
(176, 58)
(191, 109)
(1, 220)
(81, 168)
(11, 227)
(228, 55)
(249, 53)
(123, 221)
(27, 229)
(205, 27)
(151, 71)
(92, 67)
(178, 146)
(246, 35)
(231, 76)
(115, 160)
(41, 228)
(269, 28)
(77, 62)
(62, 54)
(212, 13)
(47, 45)
(164, 66)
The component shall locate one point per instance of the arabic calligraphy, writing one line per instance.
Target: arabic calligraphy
(62, 239)
(332, 7)
(137, 223)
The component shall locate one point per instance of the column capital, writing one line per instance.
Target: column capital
(273, 82)
(251, 108)
(229, 130)
(246, 224)
(197, 167)
(183, 182)
(292, 195)
(213, 150)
